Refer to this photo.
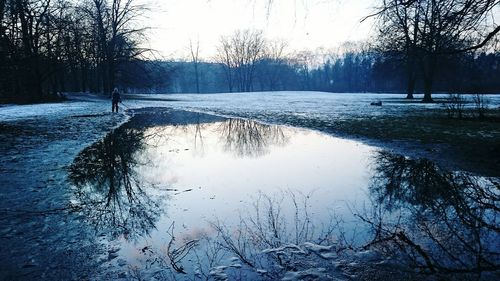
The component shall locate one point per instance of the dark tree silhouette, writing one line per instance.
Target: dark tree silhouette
(426, 30)
(442, 222)
(55, 46)
(109, 191)
(239, 54)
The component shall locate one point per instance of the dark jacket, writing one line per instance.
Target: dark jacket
(115, 97)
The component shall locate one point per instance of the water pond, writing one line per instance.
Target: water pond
(189, 195)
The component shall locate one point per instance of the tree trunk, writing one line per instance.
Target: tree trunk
(228, 71)
(111, 76)
(428, 90)
(429, 65)
(38, 78)
(410, 90)
(197, 77)
(83, 81)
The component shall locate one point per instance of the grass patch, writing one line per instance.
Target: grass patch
(474, 143)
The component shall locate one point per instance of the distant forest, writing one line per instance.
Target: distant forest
(353, 71)
(48, 47)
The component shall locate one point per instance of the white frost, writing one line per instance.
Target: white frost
(311, 273)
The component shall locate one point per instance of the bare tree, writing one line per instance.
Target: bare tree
(239, 54)
(427, 30)
(303, 61)
(225, 59)
(398, 32)
(48, 45)
(194, 51)
(271, 64)
(118, 34)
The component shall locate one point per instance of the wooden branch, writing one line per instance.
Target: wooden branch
(480, 45)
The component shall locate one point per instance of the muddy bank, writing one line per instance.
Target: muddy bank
(42, 237)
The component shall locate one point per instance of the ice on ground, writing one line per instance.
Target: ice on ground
(309, 274)
(368, 256)
(218, 273)
(55, 110)
(326, 252)
(281, 250)
(40, 141)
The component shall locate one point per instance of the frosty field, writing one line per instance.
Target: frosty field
(251, 185)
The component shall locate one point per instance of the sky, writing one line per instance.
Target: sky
(304, 24)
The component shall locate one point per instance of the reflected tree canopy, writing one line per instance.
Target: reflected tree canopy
(250, 138)
(399, 179)
(109, 190)
(442, 221)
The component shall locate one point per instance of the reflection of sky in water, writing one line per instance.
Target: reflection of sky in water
(225, 168)
(167, 166)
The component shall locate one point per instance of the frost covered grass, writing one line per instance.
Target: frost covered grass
(472, 144)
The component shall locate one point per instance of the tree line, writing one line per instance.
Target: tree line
(426, 33)
(354, 67)
(50, 46)
(424, 45)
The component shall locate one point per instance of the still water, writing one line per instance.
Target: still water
(170, 177)
(207, 168)
(216, 170)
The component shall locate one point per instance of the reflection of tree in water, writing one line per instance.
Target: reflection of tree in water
(418, 182)
(250, 138)
(108, 188)
(444, 222)
(275, 237)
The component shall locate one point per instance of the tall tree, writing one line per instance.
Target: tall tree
(195, 51)
(271, 64)
(47, 46)
(239, 54)
(224, 58)
(427, 30)
(117, 35)
(398, 32)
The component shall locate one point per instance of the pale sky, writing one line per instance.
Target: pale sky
(305, 24)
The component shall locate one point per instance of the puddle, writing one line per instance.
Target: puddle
(196, 168)
(193, 176)
(218, 170)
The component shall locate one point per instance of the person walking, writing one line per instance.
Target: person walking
(115, 99)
